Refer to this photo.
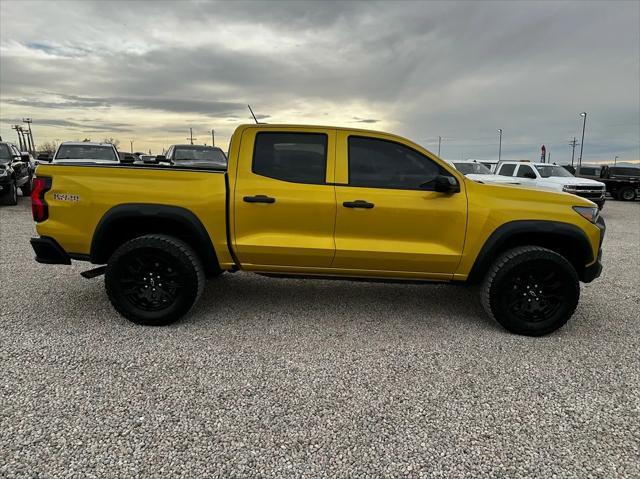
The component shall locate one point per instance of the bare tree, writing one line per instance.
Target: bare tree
(112, 141)
(48, 147)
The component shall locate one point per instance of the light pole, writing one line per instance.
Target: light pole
(615, 160)
(213, 138)
(500, 146)
(131, 141)
(584, 124)
(439, 143)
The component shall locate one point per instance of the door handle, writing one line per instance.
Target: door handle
(358, 204)
(259, 199)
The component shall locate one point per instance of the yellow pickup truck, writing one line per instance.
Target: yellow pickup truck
(317, 202)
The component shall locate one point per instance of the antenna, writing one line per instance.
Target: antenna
(254, 117)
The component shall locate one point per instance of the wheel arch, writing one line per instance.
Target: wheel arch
(127, 221)
(565, 239)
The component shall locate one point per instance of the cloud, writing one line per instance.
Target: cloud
(460, 70)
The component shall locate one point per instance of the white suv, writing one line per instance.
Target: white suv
(552, 177)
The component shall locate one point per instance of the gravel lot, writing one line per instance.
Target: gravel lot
(294, 378)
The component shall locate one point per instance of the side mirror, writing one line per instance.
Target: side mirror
(160, 158)
(531, 176)
(446, 184)
(25, 157)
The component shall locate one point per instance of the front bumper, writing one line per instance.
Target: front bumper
(48, 251)
(594, 270)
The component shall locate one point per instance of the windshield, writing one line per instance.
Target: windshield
(475, 168)
(5, 154)
(86, 152)
(547, 171)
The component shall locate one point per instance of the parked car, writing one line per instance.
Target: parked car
(553, 177)
(623, 183)
(477, 171)
(195, 156)
(306, 202)
(86, 152)
(148, 159)
(16, 171)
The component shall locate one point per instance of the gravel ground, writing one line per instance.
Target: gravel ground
(294, 378)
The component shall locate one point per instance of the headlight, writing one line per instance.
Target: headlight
(590, 213)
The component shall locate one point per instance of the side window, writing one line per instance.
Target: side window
(169, 153)
(507, 170)
(525, 170)
(379, 163)
(295, 157)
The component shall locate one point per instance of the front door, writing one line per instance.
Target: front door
(285, 204)
(389, 218)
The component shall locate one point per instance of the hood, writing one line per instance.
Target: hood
(509, 180)
(572, 180)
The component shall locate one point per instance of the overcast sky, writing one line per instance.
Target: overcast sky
(148, 71)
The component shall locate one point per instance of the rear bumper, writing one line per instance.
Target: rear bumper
(594, 270)
(48, 251)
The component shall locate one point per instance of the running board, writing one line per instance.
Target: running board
(94, 273)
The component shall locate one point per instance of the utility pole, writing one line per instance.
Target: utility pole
(131, 142)
(213, 138)
(573, 144)
(500, 147)
(615, 160)
(439, 143)
(32, 144)
(191, 138)
(584, 124)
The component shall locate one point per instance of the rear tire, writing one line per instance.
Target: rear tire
(154, 280)
(627, 194)
(531, 291)
(10, 196)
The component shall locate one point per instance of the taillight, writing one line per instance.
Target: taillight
(39, 207)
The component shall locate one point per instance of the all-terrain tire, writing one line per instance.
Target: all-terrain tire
(154, 280)
(531, 291)
(10, 196)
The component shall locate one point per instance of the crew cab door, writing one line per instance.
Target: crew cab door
(387, 222)
(284, 199)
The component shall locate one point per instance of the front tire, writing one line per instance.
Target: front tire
(26, 188)
(531, 291)
(154, 280)
(10, 197)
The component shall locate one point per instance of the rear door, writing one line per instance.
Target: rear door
(390, 221)
(284, 199)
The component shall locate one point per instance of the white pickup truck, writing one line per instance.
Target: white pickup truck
(552, 177)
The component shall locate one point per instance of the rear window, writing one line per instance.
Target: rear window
(200, 156)
(616, 170)
(86, 153)
(295, 157)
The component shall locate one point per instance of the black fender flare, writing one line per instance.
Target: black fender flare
(191, 228)
(571, 238)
